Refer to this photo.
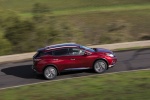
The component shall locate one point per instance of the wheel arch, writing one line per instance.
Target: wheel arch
(101, 59)
(52, 66)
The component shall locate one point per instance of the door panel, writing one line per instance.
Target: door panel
(61, 58)
(83, 61)
(63, 62)
(78, 58)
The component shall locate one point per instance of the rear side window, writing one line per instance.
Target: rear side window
(60, 52)
(49, 53)
(41, 53)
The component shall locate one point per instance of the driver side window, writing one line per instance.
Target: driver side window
(76, 51)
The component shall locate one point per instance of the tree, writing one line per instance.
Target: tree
(39, 8)
(39, 12)
(19, 34)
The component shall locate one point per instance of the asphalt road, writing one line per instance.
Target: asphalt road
(20, 73)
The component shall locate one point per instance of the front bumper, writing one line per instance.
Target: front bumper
(110, 66)
(113, 62)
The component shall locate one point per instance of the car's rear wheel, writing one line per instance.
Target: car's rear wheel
(50, 72)
(100, 66)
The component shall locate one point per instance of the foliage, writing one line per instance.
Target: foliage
(83, 23)
(26, 5)
(39, 10)
(5, 45)
(26, 35)
(69, 33)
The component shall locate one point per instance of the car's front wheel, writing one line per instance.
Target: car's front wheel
(100, 66)
(50, 72)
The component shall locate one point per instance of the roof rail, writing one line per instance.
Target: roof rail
(59, 44)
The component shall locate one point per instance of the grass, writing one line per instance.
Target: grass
(69, 7)
(83, 10)
(26, 5)
(121, 22)
(95, 21)
(100, 9)
(133, 85)
(122, 26)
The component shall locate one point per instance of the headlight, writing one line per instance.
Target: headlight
(110, 54)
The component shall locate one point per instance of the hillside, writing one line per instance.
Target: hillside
(88, 23)
(26, 5)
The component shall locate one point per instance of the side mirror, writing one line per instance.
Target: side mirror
(86, 53)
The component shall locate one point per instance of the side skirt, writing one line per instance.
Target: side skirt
(72, 69)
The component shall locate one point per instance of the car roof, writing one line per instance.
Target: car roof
(62, 45)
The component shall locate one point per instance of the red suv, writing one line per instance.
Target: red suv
(52, 60)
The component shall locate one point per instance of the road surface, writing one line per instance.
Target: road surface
(20, 73)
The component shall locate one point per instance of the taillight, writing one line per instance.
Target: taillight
(36, 55)
(37, 60)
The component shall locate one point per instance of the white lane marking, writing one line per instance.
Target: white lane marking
(70, 78)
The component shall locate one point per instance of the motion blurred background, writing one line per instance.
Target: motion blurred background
(27, 25)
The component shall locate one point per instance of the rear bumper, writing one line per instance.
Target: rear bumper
(34, 69)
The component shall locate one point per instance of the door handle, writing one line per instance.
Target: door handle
(55, 59)
(72, 59)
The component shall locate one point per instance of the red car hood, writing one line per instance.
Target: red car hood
(102, 50)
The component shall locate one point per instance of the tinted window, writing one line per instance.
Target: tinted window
(87, 48)
(49, 53)
(60, 52)
(76, 51)
(41, 53)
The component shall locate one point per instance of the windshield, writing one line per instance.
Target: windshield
(87, 48)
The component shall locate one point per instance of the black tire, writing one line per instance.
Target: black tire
(50, 72)
(100, 66)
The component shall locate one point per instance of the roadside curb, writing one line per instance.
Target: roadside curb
(26, 56)
(124, 45)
